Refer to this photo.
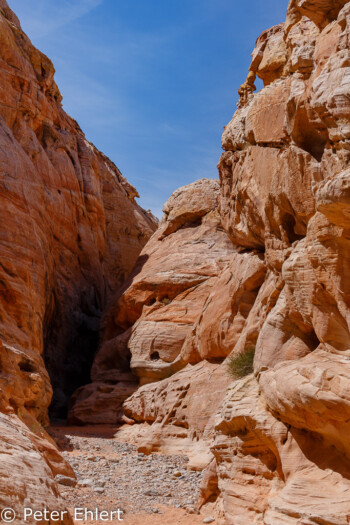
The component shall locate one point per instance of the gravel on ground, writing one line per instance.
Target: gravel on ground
(111, 475)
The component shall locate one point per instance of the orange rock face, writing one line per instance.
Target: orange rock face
(70, 234)
(157, 314)
(260, 260)
(26, 474)
(280, 447)
(177, 415)
(270, 472)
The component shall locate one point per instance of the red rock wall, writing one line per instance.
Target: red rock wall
(157, 313)
(281, 447)
(70, 234)
(279, 443)
(259, 259)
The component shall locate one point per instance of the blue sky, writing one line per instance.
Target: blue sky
(151, 82)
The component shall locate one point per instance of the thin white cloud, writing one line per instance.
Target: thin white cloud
(50, 15)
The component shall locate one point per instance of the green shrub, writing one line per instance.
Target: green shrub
(242, 364)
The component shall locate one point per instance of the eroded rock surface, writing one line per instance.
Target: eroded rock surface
(270, 472)
(280, 447)
(26, 474)
(176, 415)
(259, 260)
(157, 313)
(70, 234)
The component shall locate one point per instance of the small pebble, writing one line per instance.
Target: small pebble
(114, 474)
(85, 483)
(65, 480)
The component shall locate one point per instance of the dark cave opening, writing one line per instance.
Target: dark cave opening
(288, 224)
(71, 341)
(308, 134)
(312, 142)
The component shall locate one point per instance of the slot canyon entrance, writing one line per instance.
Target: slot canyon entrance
(111, 473)
(71, 338)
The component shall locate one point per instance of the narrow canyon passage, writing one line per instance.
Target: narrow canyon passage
(70, 343)
(111, 475)
(218, 338)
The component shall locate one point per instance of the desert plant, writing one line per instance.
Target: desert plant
(242, 364)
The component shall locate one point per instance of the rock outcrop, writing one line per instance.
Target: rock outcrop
(28, 466)
(270, 472)
(70, 235)
(151, 328)
(259, 261)
(280, 448)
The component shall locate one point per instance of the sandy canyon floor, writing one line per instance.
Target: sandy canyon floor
(154, 489)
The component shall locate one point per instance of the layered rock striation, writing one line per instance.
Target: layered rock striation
(70, 234)
(260, 260)
(152, 326)
(280, 445)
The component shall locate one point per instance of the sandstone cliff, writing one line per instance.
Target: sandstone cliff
(285, 179)
(154, 324)
(278, 450)
(258, 260)
(70, 234)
